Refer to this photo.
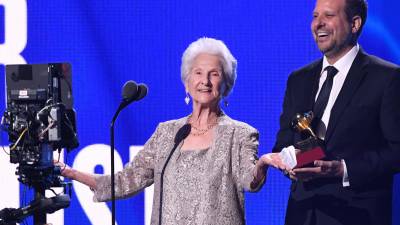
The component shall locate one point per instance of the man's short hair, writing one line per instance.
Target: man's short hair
(357, 8)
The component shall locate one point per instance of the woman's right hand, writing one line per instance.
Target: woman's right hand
(83, 177)
(66, 171)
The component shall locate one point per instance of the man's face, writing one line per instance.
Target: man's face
(331, 28)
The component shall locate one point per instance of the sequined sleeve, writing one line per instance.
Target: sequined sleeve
(248, 157)
(136, 175)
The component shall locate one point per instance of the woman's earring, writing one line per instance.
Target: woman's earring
(187, 99)
(226, 102)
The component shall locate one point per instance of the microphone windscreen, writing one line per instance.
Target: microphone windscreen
(129, 90)
(182, 133)
(142, 91)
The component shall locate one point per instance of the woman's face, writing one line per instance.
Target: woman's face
(205, 80)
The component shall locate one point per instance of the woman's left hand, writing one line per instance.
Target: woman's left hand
(266, 160)
(274, 160)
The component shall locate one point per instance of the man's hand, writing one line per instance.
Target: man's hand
(321, 169)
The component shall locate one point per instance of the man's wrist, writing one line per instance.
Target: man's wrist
(345, 175)
(340, 171)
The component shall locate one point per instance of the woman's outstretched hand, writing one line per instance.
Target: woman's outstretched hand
(260, 170)
(274, 160)
(66, 171)
(83, 177)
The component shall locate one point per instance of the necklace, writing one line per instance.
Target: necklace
(200, 131)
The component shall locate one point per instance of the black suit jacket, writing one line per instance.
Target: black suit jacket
(363, 129)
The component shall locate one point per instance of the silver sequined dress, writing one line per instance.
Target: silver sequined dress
(200, 186)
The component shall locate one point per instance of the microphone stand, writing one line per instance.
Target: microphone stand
(113, 163)
(132, 95)
(122, 105)
(182, 133)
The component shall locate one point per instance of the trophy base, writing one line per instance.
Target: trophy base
(307, 157)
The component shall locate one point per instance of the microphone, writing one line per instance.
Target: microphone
(129, 90)
(132, 92)
(142, 92)
(182, 133)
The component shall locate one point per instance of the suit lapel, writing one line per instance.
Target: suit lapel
(350, 86)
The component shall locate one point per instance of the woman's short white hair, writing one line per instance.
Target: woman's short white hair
(213, 47)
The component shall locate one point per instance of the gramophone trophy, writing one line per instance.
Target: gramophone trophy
(311, 147)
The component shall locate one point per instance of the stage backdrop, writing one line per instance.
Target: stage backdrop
(110, 42)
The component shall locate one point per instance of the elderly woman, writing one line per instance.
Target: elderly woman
(213, 157)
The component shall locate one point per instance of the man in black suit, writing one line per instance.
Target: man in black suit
(355, 98)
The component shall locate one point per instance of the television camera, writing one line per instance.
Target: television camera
(39, 120)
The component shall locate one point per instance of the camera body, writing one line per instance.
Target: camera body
(39, 120)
